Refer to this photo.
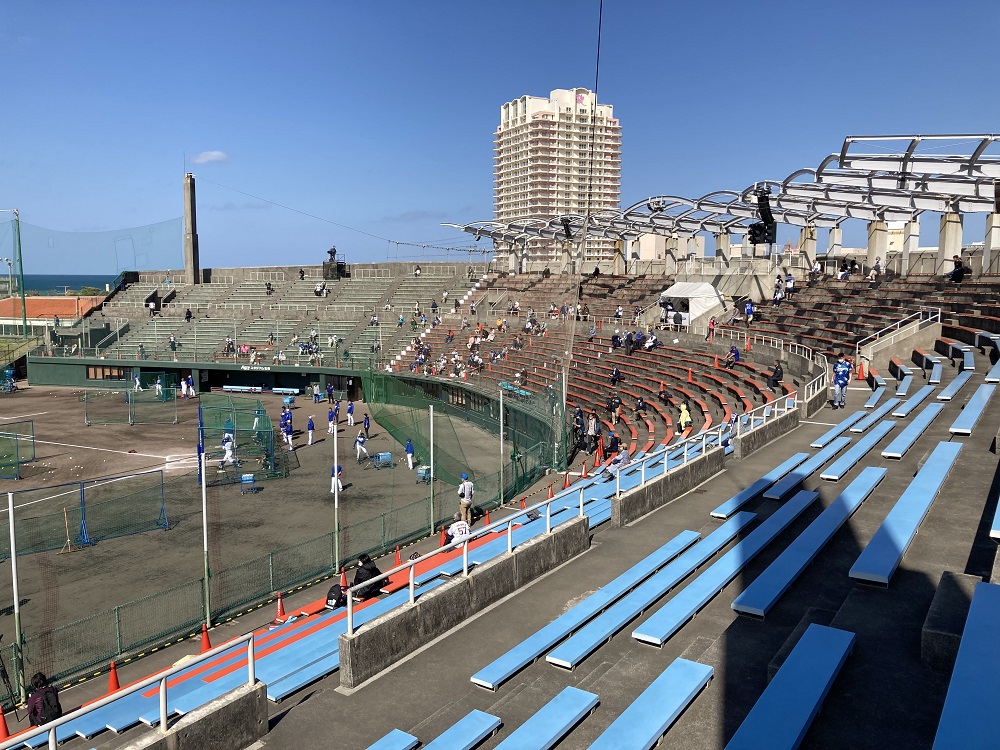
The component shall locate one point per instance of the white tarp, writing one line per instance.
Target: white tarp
(703, 299)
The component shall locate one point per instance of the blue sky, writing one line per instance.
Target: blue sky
(380, 116)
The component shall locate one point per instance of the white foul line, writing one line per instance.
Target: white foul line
(106, 450)
(22, 416)
(824, 424)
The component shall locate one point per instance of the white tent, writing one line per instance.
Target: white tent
(703, 299)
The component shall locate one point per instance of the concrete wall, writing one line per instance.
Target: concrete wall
(233, 722)
(659, 491)
(387, 639)
(768, 432)
(817, 402)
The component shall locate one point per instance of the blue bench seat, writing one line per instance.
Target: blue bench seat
(993, 376)
(467, 732)
(649, 716)
(876, 396)
(758, 598)
(903, 387)
(951, 390)
(600, 629)
(497, 672)
(875, 416)
(965, 423)
(786, 709)
(672, 616)
(970, 718)
(807, 469)
(397, 739)
(838, 429)
(882, 555)
(552, 722)
(913, 401)
(859, 450)
(968, 360)
(747, 494)
(912, 432)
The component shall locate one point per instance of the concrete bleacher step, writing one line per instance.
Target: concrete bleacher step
(784, 712)
(806, 469)
(397, 739)
(857, 452)
(600, 629)
(763, 593)
(813, 615)
(969, 718)
(874, 417)
(838, 429)
(501, 669)
(973, 410)
(951, 390)
(913, 401)
(466, 733)
(883, 553)
(553, 721)
(670, 618)
(751, 491)
(912, 432)
(641, 725)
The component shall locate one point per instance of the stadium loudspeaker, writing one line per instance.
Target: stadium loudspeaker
(113, 685)
(770, 233)
(764, 208)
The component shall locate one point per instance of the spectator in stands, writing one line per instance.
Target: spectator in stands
(651, 343)
(592, 432)
(416, 271)
(466, 491)
(629, 342)
(593, 332)
(748, 310)
(684, 420)
(613, 442)
(678, 320)
(732, 357)
(841, 379)
(268, 289)
(458, 531)
(616, 376)
(43, 703)
(711, 329)
(188, 315)
(663, 394)
(622, 459)
(616, 340)
(817, 271)
(853, 268)
(597, 271)
(585, 312)
(399, 323)
(618, 312)
(640, 407)
(472, 308)
(956, 274)
(367, 571)
(302, 275)
(776, 376)
(789, 286)
(844, 271)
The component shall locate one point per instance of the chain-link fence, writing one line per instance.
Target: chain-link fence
(17, 446)
(77, 514)
(237, 437)
(156, 404)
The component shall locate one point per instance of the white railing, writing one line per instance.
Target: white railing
(161, 678)
(902, 327)
(507, 524)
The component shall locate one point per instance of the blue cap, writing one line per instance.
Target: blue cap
(465, 476)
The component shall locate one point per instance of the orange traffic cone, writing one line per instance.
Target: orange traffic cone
(397, 562)
(716, 361)
(690, 378)
(583, 470)
(523, 506)
(279, 610)
(551, 493)
(206, 644)
(486, 520)
(4, 732)
(113, 685)
(566, 481)
(749, 345)
(861, 370)
(600, 450)
(444, 535)
(343, 578)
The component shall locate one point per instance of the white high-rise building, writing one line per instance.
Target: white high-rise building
(560, 155)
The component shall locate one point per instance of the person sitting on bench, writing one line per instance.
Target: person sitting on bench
(732, 358)
(620, 461)
(367, 570)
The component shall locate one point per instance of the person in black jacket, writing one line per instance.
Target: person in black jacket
(367, 570)
(776, 376)
(43, 703)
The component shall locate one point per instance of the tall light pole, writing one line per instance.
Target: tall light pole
(10, 275)
(20, 266)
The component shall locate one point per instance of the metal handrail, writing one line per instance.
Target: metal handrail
(161, 678)
(929, 314)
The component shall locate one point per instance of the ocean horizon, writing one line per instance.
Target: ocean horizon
(57, 283)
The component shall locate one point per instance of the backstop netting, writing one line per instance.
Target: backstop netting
(246, 421)
(17, 446)
(129, 406)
